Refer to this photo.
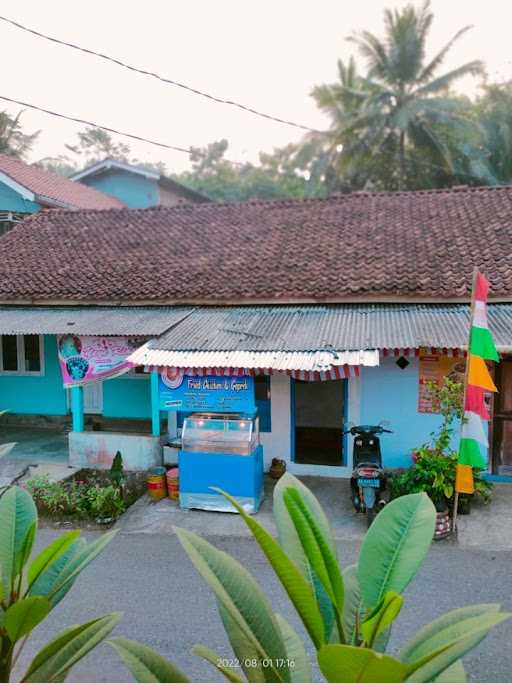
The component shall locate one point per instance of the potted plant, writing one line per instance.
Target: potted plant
(435, 462)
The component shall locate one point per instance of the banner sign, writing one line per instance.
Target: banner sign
(86, 359)
(434, 368)
(210, 393)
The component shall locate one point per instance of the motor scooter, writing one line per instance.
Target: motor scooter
(368, 479)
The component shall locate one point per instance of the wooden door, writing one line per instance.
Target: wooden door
(502, 419)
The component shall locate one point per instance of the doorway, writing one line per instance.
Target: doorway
(93, 398)
(502, 419)
(318, 422)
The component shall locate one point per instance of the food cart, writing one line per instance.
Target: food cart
(221, 450)
(220, 442)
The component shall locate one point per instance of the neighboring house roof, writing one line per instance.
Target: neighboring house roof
(50, 189)
(413, 246)
(110, 164)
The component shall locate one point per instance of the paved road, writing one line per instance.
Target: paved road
(168, 606)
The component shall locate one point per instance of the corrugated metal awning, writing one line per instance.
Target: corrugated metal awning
(343, 327)
(279, 361)
(313, 338)
(93, 320)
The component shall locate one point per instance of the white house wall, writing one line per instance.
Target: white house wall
(276, 444)
(382, 393)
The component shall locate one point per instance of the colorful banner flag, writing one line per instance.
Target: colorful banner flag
(87, 358)
(475, 402)
(473, 437)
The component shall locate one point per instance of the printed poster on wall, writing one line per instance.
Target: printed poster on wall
(209, 393)
(86, 359)
(434, 368)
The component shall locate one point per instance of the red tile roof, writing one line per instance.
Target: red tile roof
(356, 247)
(51, 188)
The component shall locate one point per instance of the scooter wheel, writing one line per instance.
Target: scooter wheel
(370, 516)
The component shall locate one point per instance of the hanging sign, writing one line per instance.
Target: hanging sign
(86, 359)
(434, 368)
(210, 393)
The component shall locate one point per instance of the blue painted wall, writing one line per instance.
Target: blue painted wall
(389, 393)
(134, 190)
(43, 395)
(128, 397)
(10, 200)
(122, 397)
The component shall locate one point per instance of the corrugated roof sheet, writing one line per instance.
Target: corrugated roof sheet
(313, 338)
(308, 330)
(347, 327)
(101, 320)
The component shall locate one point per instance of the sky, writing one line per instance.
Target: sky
(266, 54)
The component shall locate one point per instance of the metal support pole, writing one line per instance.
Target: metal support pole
(155, 408)
(77, 408)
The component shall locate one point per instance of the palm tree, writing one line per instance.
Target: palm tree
(402, 103)
(341, 147)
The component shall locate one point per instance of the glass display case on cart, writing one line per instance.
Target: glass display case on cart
(221, 450)
(230, 433)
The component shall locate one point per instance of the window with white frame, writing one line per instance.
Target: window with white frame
(21, 354)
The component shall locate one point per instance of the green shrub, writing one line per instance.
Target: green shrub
(435, 475)
(76, 499)
(348, 615)
(434, 463)
(105, 502)
(30, 590)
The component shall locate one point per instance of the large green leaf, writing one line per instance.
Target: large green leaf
(292, 544)
(395, 546)
(287, 534)
(146, 665)
(327, 611)
(300, 666)
(453, 674)
(381, 617)
(67, 648)
(348, 664)
(24, 615)
(244, 649)
(18, 517)
(352, 603)
(47, 579)
(299, 590)
(60, 575)
(241, 596)
(445, 640)
(430, 636)
(319, 554)
(50, 555)
(214, 659)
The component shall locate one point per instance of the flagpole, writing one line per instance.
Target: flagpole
(466, 373)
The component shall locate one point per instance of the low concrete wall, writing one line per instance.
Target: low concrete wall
(97, 449)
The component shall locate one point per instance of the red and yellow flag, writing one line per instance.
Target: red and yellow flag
(478, 381)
